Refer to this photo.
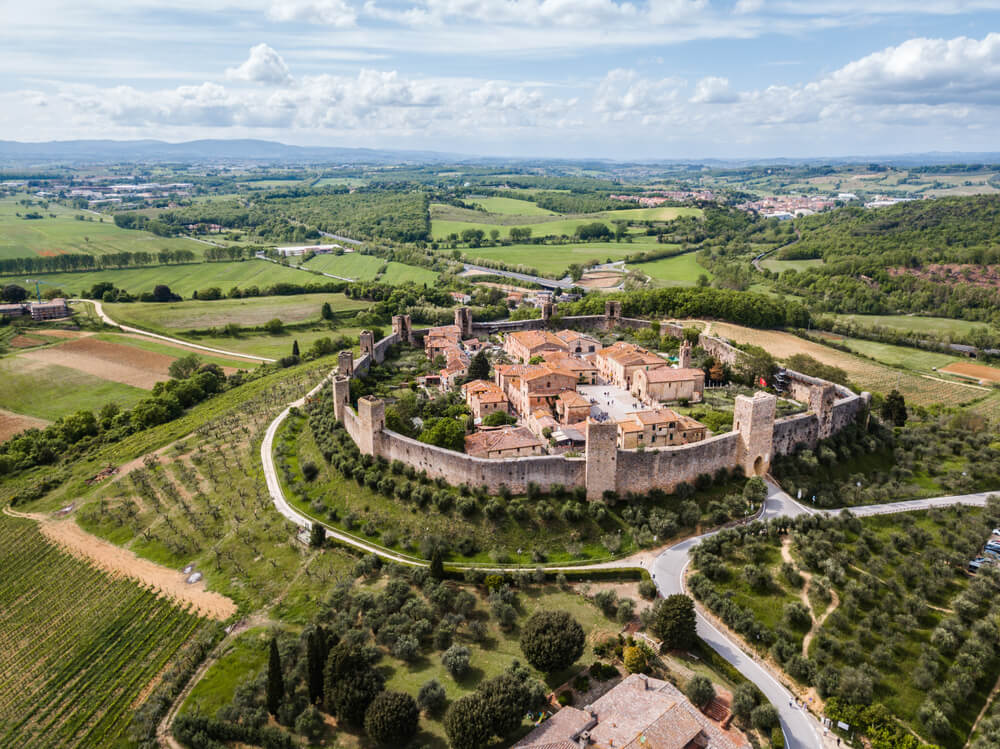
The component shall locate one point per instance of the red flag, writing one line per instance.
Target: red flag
(762, 383)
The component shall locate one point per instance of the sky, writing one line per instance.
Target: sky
(618, 79)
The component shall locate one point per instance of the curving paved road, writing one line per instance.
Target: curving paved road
(801, 728)
(547, 282)
(99, 308)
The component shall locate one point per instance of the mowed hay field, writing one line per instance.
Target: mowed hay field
(172, 317)
(48, 391)
(129, 365)
(78, 648)
(942, 326)
(918, 389)
(182, 279)
(680, 270)
(360, 267)
(554, 259)
(20, 237)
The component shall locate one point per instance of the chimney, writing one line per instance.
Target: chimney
(644, 681)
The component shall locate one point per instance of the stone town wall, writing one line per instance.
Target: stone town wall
(459, 468)
(666, 467)
(623, 470)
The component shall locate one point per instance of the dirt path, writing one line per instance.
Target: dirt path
(70, 537)
(982, 713)
(926, 603)
(817, 622)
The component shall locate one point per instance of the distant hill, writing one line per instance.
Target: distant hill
(104, 151)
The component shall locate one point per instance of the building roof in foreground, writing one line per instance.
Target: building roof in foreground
(639, 713)
(506, 438)
(669, 374)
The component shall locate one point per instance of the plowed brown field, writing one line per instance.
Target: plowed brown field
(976, 371)
(12, 423)
(109, 361)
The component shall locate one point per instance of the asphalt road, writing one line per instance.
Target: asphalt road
(548, 282)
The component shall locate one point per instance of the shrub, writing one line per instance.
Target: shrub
(700, 691)
(552, 640)
(647, 589)
(432, 697)
(456, 660)
(764, 717)
(392, 718)
(635, 659)
(673, 621)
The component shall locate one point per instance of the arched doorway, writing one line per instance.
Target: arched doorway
(758, 466)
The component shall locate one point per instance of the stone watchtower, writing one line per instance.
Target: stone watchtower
(463, 320)
(345, 363)
(602, 458)
(684, 355)
(821, 400)
(612, 314)
(547, 309)
(753, 421)
(403, 327)
(371, 422)
(368, 345)
(341, 396)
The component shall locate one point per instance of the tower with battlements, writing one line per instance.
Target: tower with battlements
(367, 340)
(753, 420)
(684, 355)
(821, 400)
(341, 396)
(402, 326)
(371, 422)
(345, 363)
(463, 320)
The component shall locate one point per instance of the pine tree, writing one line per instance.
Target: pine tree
(295, 348)
(326, 312)
(316, 660)
(275, 681)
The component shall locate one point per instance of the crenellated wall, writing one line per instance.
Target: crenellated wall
(756, 438)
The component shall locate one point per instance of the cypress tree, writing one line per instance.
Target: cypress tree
(295, 347)
(437, 565)
(275, 681)
(317, 658)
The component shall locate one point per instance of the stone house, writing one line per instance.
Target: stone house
(666, 384)
(523, 345)
(578, 343)
(505, 442)
(539, 387)
(662, 427)
(571, 407)
(483, 398)
(618, 363)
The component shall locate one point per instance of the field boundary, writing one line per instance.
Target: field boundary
(98, 307)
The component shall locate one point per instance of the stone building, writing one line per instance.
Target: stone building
(571, 407)
(662, 427)
(523, 345)
(666, 384)
(483, 398)
(539, 386)
(578, 343)
(618, 363)
(505, 442)
(639, 713)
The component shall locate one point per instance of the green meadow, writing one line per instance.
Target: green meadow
(941, 326)
(679, 270)
(20, 237)
(777, 266)
(511, 206)
(366, 267)
(555, 259)
(182, 279)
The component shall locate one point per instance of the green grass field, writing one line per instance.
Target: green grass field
(21, 237)
(511, 206)
(182, 279)
(275, 346)
(49, 391)
(253, 311)
(901, 356)
(680, 270)
(941, 326)
(553, 260)
(366, 267)
(660, 213)
(77, 647)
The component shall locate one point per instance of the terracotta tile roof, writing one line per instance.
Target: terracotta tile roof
(573, 398)
(534, 338)
(511, 370)
(630, 426)
(555, 732)
(569, 336)
(669, 374)
(565, 360)
(507, 438)
(476, 386)
(657, 416)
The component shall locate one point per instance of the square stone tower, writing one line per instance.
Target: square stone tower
(821, 400)
(367, 340)
(612, 314)
(602, 458)
(403, 327)
(684, 355)
(463, 319)
(753, 420)
(341, 396)
(345, 363)
(371, 422)
(547, 309)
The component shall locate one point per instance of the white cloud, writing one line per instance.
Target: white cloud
(336, 13)
(713, 90)
(264, 65)
(925, 71)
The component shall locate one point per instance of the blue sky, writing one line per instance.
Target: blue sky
(635, 79)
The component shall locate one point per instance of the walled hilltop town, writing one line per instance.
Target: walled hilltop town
(587, 416)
